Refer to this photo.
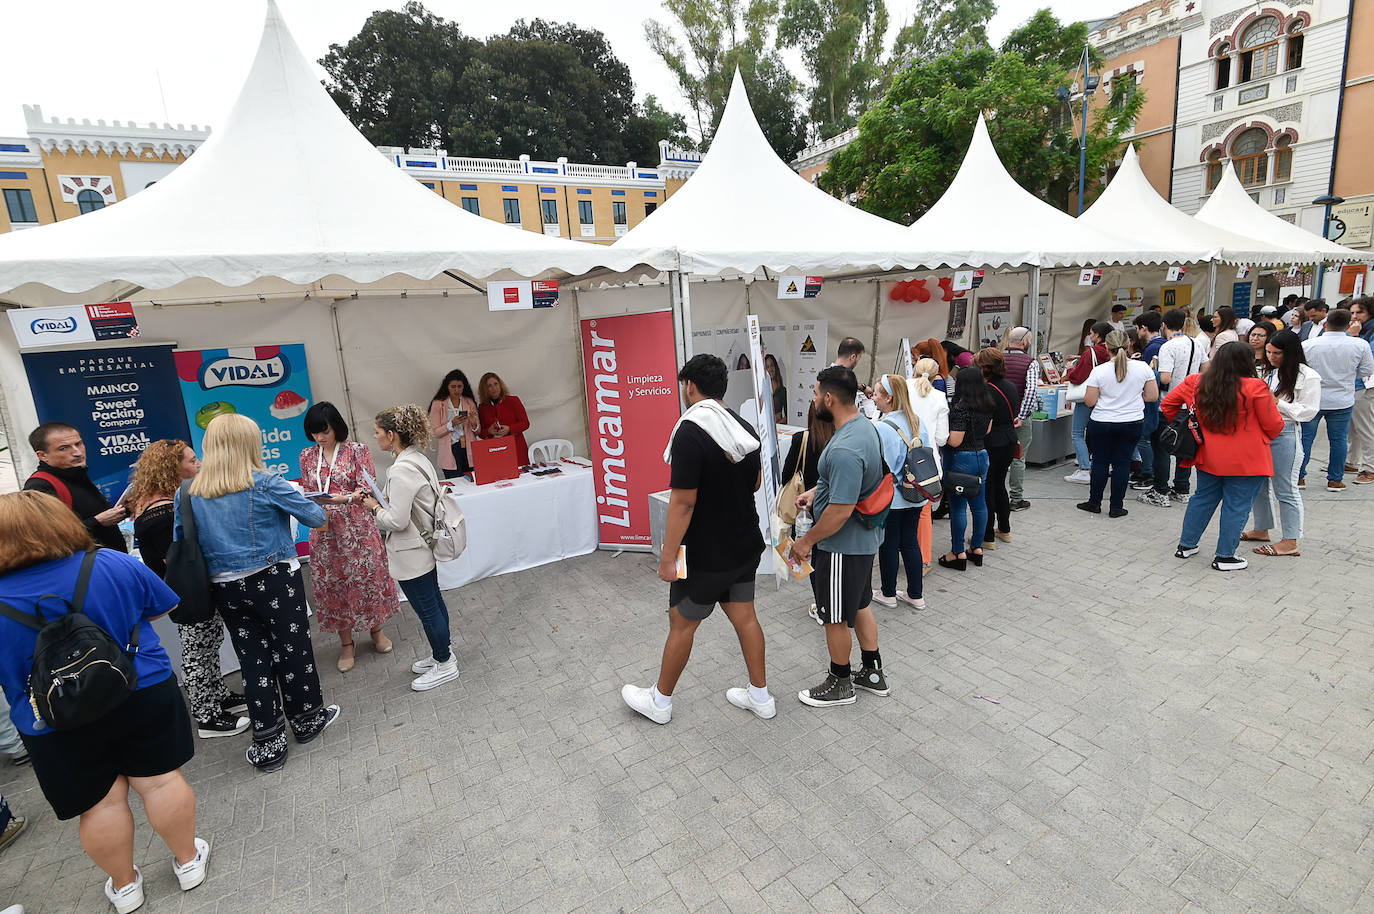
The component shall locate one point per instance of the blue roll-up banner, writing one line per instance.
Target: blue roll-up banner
(121, 399)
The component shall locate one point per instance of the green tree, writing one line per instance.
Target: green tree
(651, 124)
(842, 43)
(722, 35)
(938, 26)
(397, 80)
(911, 143)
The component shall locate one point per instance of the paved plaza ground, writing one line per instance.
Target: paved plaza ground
(1168, 738)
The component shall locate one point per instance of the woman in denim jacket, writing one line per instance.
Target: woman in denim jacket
(243, 520)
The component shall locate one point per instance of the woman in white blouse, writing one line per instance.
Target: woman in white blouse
(931, 407)
(1298, 391)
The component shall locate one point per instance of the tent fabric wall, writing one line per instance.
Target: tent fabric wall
(1072, 304)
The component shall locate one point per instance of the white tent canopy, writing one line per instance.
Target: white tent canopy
(323, 202)
(986, 219)
(1130, 205)
(744, 209)
(1231, 208)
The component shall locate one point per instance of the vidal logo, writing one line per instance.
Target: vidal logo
(53, 325)
(239, 372)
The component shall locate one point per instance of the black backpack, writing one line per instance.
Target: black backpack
(919, 476)
(80, 673)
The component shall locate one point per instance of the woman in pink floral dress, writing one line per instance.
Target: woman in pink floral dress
(354, 591)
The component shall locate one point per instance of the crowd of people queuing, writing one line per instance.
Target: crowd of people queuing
(1255, 390)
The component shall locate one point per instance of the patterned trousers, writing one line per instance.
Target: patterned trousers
(200, 666)
(265, 614)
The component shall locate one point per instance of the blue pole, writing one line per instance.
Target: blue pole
(1083, 144)
(1321, 267)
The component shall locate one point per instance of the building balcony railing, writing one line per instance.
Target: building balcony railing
(424, 163)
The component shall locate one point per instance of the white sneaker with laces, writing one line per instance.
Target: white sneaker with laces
(1083, 477)
(913, 602)
(741, 698)
(884, 599)
(642, 700)
(192, 874)
(425, 665)
(436, 675)
(129, 898)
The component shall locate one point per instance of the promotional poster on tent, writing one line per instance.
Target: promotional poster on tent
(630, 362)
(768, 441)
(810, 348)
(268, 384)
(1042, 320)
(994, 319)
(117, 398)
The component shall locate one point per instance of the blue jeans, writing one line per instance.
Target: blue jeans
(900, 542)
(1235, 494)
(1112, 444)
(424, 597)
(1081, 412)
(975, 463)
(1337, 435)
(1145, 447)
(1284, 450)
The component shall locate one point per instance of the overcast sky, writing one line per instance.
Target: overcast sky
(183, 61)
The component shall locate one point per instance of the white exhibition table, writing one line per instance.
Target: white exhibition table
(523, 523)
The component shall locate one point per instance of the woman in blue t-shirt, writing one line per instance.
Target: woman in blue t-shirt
(142, 743)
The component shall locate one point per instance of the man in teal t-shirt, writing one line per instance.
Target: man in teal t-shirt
(840, 547)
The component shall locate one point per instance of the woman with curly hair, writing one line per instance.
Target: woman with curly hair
(1239, 419)
(160, 470)
(413, 484)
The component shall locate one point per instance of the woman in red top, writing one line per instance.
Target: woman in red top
(1239, 418)
(1094, 354)
(503, 414)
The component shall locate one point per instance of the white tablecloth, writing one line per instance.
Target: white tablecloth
(524, 523)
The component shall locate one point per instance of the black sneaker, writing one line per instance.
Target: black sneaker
(269, 754)
(234, 704)
(221, 725)
(1180, 497)
(20, 758)
(833, 691)
(870, 679)
(1143, 483)
(306, 734)
(1229, 563)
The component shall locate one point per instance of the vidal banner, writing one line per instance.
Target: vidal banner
(121, 400)
(632, 406)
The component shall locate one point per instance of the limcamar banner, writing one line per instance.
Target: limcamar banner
(630, 362)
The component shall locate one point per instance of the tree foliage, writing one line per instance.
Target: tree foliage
(911, 143)
(410, 78)
(938, 26)
(722, 35)
(842, 43)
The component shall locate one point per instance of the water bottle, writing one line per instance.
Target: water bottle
(802, 523)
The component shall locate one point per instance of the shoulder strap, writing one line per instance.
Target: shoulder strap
(30, 620)
(59, 487)
(801, 457)
(1004, 399)
(905, 439)
(83, 579)
(188, 516)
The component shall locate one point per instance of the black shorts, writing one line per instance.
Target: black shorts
(149, 734)
(697, 596)
(842, 584)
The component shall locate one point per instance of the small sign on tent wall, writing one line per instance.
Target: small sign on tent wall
(521, 295)
(1089, 277)
(797, 286)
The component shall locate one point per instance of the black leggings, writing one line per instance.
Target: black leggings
(995, 492)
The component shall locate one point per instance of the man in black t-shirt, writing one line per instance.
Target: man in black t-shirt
(62, 473)
(714, 455)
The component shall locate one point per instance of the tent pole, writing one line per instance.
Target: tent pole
(343, 368)
(582, 362)
(1033, 302)
(877, 317)
(1212, 285)
(680, 299)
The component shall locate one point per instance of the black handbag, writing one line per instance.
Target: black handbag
(962, 485)
(187, 574)
(1183, 436)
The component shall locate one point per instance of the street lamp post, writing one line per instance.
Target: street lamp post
(1090, 84)
(1327, 201)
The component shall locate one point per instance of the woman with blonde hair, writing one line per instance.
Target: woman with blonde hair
(407, 524)
(1117, 392)
(503, 414)
(243, 522)
(161, 469)
(931, 407)
(141, 742)
(898, 430)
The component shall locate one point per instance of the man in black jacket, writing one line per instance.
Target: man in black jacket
(62, 473)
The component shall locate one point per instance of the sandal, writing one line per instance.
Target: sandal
(1270, 550)
(1247, 538)
(346, 662)
(381, 643)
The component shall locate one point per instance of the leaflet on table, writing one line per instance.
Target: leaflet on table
(376, 492)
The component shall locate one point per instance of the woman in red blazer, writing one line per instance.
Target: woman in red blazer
(1239, 418)
(503, 414)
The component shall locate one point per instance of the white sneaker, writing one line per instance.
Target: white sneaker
(741, 698)
(1083, 477)
(1229, 563)
(129, 898)
(192, 874)
(914, 602)
(642, 700)
(884, 599)
(436, 675)
(424, 666)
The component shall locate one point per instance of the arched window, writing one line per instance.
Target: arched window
(1259, 49)
(1283, 158)
(1294, 45)
(1249, 157)
(1223, 65)
(1213, 170)
(90, 201)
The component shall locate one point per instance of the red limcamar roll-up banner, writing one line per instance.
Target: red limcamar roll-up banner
(630, 362)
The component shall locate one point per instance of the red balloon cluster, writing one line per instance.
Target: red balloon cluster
(915, 290)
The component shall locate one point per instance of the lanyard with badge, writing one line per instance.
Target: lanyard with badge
(324, 481)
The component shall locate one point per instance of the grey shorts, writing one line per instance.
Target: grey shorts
(696, 597)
